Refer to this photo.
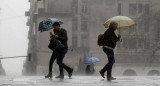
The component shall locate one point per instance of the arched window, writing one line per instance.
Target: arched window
(153, 73)
(129, 72)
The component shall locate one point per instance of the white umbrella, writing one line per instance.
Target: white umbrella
(123, 22)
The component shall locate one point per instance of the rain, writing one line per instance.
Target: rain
(25, 36)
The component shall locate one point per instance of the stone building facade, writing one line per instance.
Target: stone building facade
(2, 71)
(136, 54)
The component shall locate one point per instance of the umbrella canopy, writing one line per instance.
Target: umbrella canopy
(46, 25)
(92, 60)
(123, 22)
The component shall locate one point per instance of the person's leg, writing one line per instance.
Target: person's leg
(52, 59)
(105, 68)
(111, 61)
(59, 62)
(67, 68)
(110, 64)
(62, 65)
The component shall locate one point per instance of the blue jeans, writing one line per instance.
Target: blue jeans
(111, 61)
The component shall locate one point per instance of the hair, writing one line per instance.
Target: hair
(112, 24)
(56, 24)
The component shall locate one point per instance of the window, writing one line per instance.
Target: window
(107, 2)
(132, 9)
(146, 43)
(84, 24)
(146, 26)
(140, 8)
(84, 1)
(139, 24)
(75, 6)
(74, 24)
(119, 9)
(84, 41)
(74, 41)
(84, 8)
(140, 43)
(146, 7)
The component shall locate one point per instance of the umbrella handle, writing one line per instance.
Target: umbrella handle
(120, 33)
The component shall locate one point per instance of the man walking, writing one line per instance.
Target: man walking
(61, 35)
(59, 52)
(58, 49)
(110, 40)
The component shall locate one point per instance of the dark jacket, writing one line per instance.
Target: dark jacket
(62, 36)
(110, 38)
(56, 45)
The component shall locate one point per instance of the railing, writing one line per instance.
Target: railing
(12, 57)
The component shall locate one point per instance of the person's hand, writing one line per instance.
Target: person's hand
(51, 38)
(50, 33)
(56, 36)
(119, 36)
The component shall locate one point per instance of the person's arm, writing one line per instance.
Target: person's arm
(63, 37)
(114, 38)
(51, 36)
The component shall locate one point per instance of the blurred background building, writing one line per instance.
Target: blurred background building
(2, 72)
(137, 54)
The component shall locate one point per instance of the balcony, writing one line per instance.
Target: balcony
(27, 13)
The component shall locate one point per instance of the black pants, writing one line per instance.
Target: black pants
(111, 61)
(59, 56)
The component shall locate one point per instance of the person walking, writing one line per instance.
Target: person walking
(110, 40)
(57, 47)
(61, 35)
(58, 44)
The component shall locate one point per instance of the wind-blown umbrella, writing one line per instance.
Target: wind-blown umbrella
(123, 22)
(92, 60)
(46, 25)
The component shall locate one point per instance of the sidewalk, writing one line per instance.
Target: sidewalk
(79, 81)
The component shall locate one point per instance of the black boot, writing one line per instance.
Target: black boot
(48, 76)
(111, 78)
(60, 76)
(70, 73)
(102, 74)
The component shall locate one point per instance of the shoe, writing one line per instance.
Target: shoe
(102, 74)
(70, 73)
(48, 76)
(111, 78)
(60, 76)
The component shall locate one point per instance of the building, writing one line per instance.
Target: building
(2, 72)
(135, 54)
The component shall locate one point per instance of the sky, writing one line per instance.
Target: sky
(13, 34)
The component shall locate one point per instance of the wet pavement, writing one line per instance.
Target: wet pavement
(79, 81)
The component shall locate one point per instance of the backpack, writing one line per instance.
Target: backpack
(101, 40)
